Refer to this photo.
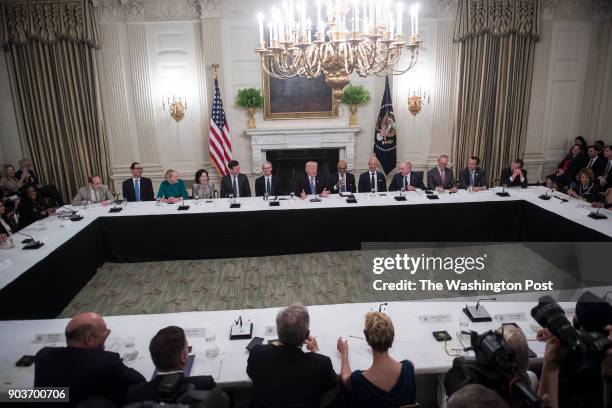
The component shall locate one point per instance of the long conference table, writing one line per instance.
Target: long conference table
(206, 331)
(39, 284)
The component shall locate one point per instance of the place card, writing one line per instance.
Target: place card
(195, 332)
(435, 318)
(45, 338)
(5, 263)
(510, 317)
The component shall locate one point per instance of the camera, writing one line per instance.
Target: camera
(574, 343)
(495, 366)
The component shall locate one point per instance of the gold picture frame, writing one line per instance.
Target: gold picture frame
(291, 98)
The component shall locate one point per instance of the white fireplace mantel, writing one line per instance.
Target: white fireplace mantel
(341, 138)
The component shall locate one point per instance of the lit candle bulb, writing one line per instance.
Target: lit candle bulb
(260, 18)
(319, 19)
(416, 18)
(400, 17)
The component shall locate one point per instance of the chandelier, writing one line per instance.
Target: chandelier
(365, 37)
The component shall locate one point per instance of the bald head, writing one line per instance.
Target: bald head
(373, 163)
(341, 166)
(87, 330)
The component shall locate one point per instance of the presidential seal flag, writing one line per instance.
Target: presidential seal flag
(385, 140)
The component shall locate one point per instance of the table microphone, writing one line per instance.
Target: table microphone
(477, 313)
(30, 242)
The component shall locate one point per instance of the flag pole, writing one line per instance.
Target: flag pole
(215, 68)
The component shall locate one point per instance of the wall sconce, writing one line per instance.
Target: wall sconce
(177, 107)
(416, 98)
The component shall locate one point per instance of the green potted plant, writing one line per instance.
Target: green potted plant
(355, 95)
(250, 98)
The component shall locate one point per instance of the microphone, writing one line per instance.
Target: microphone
(30, 242)
(477, 313)
(479, 300)
(25, 241)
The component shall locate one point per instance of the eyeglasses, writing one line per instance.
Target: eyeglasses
(138, 168)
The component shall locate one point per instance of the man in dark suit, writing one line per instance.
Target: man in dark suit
(83, 365)
(235, 183)
(372, 179)
(406, 179)
(596, 163)
(473, 175)
(268, 183)
(441, 177)
(311, 182)
(341, 181)
(169, 351)
(514, 175)
(137, 188)
(605, 179)
(284, 375)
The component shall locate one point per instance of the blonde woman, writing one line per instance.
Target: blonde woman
(387, 383)
(172, 189)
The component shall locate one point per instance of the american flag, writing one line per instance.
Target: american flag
(220, 146)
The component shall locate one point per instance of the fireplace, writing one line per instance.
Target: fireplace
(289, 149)
(287, 164)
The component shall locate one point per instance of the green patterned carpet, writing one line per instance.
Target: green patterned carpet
(272, 281)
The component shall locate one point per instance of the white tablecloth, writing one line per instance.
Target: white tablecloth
(414, 323)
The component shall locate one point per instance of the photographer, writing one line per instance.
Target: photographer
(574, 353)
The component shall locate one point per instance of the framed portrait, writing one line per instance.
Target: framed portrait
(297, 98)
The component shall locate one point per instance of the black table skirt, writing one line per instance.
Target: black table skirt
(45, 289)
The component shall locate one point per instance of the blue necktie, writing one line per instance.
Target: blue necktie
(137, 189)
(313, 186)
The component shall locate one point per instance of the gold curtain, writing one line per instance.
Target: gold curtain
(50, 50)
(496, 51)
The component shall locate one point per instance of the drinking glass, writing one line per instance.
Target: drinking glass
(211, 350)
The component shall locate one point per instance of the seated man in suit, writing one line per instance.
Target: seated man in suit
(311, 183)
(83, 365)
(605, 179)
(95, 192)
(441, 177)
(596, 163)
(169, 352)
(235, 183)
(473, 175)
(268, 183)
(284, 375)
(341, 181)
(372, 180)
(137, 188)
(514, 175)
(406, 179)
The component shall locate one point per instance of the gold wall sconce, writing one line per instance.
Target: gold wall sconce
(416, 99)
(177, 107)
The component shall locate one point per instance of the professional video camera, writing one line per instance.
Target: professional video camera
(495, 366)
(175, 392)
(574, 344)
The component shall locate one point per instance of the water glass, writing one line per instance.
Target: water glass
(211, 350)
(292, 194)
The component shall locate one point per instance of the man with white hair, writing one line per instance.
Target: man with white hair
(311, 183)
(406, 179)
(83, 365)
(268, 184)
(286, 376)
